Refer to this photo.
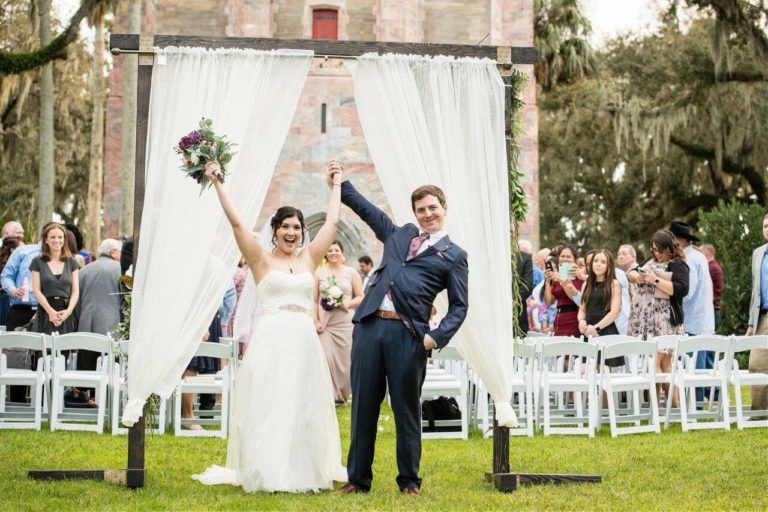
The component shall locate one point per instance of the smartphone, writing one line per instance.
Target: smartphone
(549, 265)
(639, 270)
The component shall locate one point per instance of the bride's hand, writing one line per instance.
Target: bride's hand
(213, 171)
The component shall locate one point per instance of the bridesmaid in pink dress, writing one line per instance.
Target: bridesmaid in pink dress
(334, 324)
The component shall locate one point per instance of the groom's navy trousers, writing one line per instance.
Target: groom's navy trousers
(387, 353)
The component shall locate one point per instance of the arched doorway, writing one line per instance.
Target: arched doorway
(347, 234)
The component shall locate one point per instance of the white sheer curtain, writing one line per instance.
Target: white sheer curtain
(187, 253)
(440, 120)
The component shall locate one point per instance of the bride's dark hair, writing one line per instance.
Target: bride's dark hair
(286, 212)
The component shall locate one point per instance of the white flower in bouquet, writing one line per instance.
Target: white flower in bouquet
(332, 296)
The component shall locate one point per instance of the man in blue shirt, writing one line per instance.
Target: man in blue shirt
(16, 281)
(697, 305)
(758, 320)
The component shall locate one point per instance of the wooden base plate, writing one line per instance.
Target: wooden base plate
(508, 482)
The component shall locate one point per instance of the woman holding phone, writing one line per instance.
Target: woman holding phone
(562, 285)
(657, 306)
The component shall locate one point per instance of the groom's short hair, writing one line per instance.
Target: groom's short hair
(427, 190)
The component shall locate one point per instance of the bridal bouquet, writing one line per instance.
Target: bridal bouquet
(201, 146)
(332, 295)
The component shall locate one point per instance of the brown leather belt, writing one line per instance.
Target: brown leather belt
(389, 315)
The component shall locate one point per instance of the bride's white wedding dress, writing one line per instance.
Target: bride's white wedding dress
(283, 433)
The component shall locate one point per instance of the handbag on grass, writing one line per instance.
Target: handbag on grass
(667, 276)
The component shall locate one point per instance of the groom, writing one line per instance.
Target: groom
(392, 338)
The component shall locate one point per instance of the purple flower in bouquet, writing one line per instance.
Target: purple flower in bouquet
(332, 295)
(326, 305)
(201, 146)
(191, 139)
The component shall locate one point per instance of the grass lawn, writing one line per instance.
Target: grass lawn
(703, 470)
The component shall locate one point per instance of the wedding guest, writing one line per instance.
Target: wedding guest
(716, 273)
(366, 269)
(72, 246)
(16, 280)
(524, 278)
(627, 257)
(55, 282)
(79, 244)
(10, 243)
(100, 297)
(238, 279)
(758, 320)
(657, 305)
(14, 229)
(538, 272)
(561, 285)
(17, 283)
(697, 305)
(333, 316)
(601, 300)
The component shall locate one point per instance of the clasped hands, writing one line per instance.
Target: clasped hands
(587, 330)
(57, 317)
(334, 173)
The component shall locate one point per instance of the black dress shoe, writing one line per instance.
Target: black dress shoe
(348, 488)
(412, 490)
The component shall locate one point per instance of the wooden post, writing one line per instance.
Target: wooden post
(136, 434)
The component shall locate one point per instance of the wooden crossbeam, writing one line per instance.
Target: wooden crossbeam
(514, 54)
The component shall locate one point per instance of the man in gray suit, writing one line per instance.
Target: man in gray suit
(758, 318)
(100, 297)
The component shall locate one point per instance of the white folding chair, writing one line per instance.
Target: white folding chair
(522, 387)
(576, 377)
(640, 376)
(686, 378)
(219, 383)
(68, 418)
(119, 387)
(743, 377)
(18, 416)
(450, 380)
(553, 363)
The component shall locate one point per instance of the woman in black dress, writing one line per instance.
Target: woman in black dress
(601, 300)
(55, 283)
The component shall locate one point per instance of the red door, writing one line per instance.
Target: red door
(325, 24)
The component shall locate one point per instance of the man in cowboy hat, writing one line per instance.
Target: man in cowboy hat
(697, 305)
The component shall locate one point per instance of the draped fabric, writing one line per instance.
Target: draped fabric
(440, 120)
(187, 252)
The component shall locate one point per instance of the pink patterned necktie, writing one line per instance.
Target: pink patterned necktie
(416, 244)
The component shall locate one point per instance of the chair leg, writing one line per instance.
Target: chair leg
(635, 404)
(654, 406)
(684, 401)
(37, 400)
(612, 413)
(725, 406)
(545, 394)
(739, 409)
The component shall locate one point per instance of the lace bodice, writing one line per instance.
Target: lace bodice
(278, 290)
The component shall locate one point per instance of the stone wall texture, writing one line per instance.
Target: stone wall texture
(298, 179)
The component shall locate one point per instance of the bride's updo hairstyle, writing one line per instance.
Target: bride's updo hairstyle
(286, 212)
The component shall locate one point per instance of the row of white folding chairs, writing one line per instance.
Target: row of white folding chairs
(52, 376)
(50, 379)
(447, 376)
(540, 372)
(221, 384)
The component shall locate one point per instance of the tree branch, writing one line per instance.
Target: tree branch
(15, 63)
(733, 13)
(749, 173)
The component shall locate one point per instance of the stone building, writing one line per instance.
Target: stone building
(326, 123)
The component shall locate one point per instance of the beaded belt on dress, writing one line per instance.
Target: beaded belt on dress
(287, 307)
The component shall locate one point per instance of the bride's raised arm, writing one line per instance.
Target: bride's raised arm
(249, 247)
(324, 238)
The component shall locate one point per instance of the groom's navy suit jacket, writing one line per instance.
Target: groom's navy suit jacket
(414, 283)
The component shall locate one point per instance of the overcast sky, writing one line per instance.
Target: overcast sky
(609, 17)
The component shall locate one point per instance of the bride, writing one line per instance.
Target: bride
(284, 435)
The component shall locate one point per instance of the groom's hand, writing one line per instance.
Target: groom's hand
(429, 342)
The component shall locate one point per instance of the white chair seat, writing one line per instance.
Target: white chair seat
(754, 379)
